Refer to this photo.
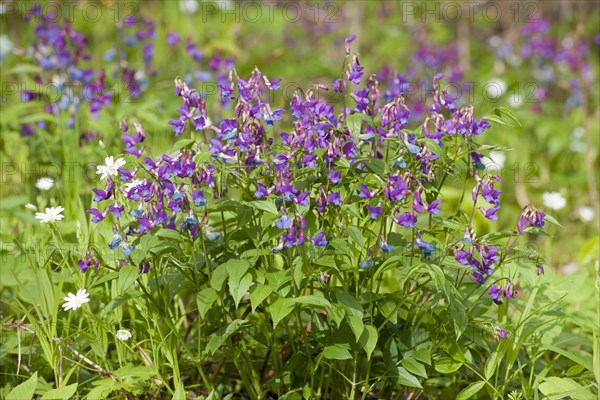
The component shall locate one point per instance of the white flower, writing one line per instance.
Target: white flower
(515, 100)
(554, 200)
(30, 206)
(111, 167)
(133, 183)
(52, 214)
(586, 213)
(495, 88)
(496, 160)
(6, 45)
(44, 183)
(577, 144)
(188, 6)
(74, 301)
(123, 334)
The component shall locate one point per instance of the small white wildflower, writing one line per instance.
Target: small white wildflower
(586, 213)
(44, 183)
(133, 183)
(123, 334)
(577, 145)
(74, 301)
(31, 206)
(515, 100)
(495, 88)
(52, 214)
(6, 45)
(554, 200)
(495, 161)
(188, 6)
(111, 167)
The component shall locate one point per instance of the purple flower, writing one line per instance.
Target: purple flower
(375, 212)
(500, 333)
(97, 216)
(347, 42)
(319, 240)
(540, 269)
(303, 199)
(115, 242)
(365, 264)
(462, 257)
(116, 210)
(433, 207)
(284, 222)
(178, 126)
(386, 248)
(365, 193)
(334, 198)
(490, 194)
(127, 249)
(88, 262)
(490, 213)
(407, 220)
(495, 292)
(198, 197)
(334, 177)
(172, 38)
(261, 192)
(425, 247)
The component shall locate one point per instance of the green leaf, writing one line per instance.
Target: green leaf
(62, 393)
(458, 317)
(119, 300)
(8, 203)
(354, 123)
(470, 390)
(25, 390)
(103, 388)
(368, 340)
(351, 305)
(405, 378)
(239, 289)
(313, 300)
(205, 299)
(503, 116)
(134, 371)
(490, 365)
(552, 220)
(336, 352)
(25, 69)
(357, 326)
(219, 276)
(563, 387)
(376, 166)
(447, 365)
(127, 275)
(236, 268)
(169, 234)
(356, 236)
(259, 294)
(414, 367)
(218, 338)
(264, 205)
(180, 144)
(280, 309)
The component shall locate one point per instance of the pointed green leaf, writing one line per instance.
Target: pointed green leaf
(25, 390)
(470, 390)
(205, 299)
(62, 393)
(368, 340)
(280, 309)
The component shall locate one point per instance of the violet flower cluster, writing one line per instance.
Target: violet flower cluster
(303, 172)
